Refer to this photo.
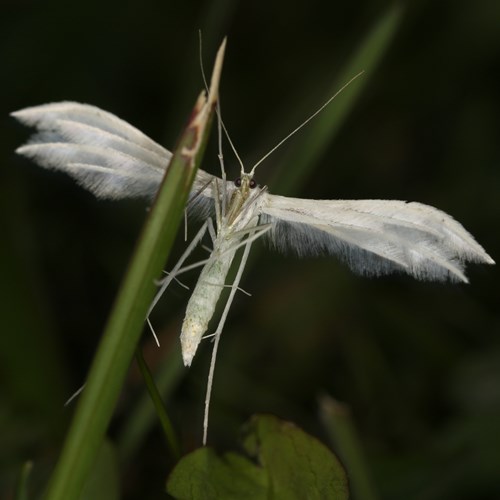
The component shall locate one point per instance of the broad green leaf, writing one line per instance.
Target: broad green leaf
(205, 475)
(281, 462)
(299, 465)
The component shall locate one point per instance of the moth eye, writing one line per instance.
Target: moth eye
(252, 184)
(237, 182)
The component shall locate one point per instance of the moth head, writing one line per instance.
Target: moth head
(245, 182)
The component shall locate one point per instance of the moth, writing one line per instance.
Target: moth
(114, 160)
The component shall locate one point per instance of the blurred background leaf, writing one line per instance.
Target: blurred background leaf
(416, 363)
(279, 460)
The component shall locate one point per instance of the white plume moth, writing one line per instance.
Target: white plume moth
(114, 160)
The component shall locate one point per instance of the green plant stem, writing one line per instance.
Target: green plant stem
(125, 324)
(142, 418)
(161, 411)
(115, 351)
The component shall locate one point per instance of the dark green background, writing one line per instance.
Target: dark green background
(417, 363)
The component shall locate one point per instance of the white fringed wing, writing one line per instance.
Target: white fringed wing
(115, 160)
(375, 236)
(105, 154)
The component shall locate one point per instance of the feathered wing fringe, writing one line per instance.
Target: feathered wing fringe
(375, 237)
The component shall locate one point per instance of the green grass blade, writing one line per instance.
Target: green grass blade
(309, 146)
(161, 411)
(125, 324)
(23, 485)
(347, 446)
(142, 416)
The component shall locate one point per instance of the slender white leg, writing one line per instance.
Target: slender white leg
(217, 336)
(185, 225)
(257, 231)
(211, 231)
(172, 275)
(175, 270)
(217, 205)
(75, 394)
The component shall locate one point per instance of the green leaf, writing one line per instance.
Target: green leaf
(204, 475)
(281, 462)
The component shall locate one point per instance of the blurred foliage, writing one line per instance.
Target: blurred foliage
(280, 461)
(417, 364)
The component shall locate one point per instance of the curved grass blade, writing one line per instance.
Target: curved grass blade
(155, 396)
(126, 321)
(307, 148)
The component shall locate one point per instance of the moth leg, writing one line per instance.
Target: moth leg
(217, 335)
(175, 271)
(211, 231)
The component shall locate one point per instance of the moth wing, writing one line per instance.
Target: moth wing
(102, 152)
(375, 237)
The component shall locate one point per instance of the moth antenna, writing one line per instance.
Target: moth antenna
(221, 157)
(220, 123)
(306, 121)
(200, 50)
(226, 133)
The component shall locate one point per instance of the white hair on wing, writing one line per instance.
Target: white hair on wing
(107, 173)
(44, 117)
(306, 241)
(200, 206)
(102, 152)
(81, 133)
(418, 239)
(418, 254)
